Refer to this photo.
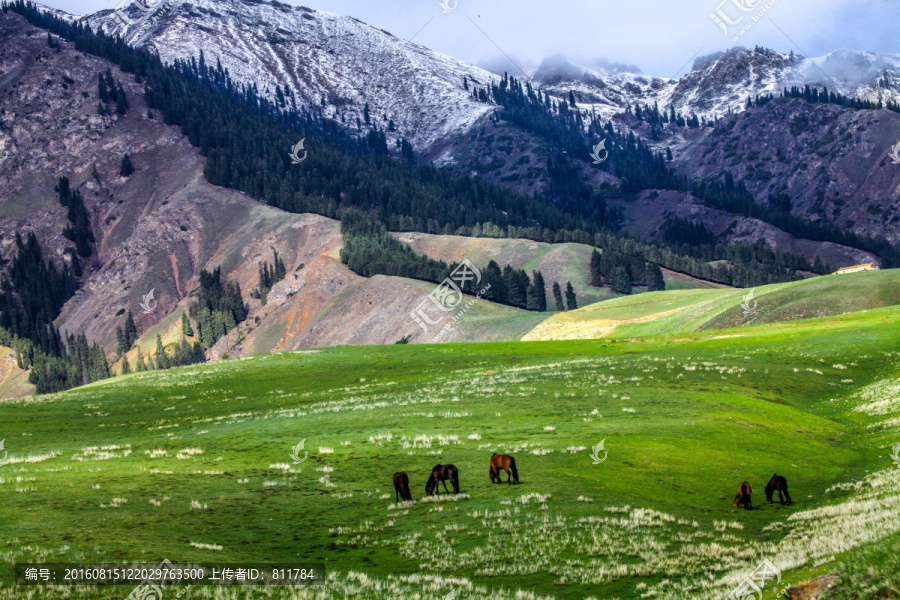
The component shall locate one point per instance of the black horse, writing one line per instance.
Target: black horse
(401, 487)
(442, 473)
(778, 483)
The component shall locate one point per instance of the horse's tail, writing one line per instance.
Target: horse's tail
(455, 482)
(512, 467)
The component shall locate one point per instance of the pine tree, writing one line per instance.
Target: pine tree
(125, 167)
(131, 334)
(540, 291)
(126, 367)
(162, 360)
(620, 281)
(654, 278)
(571, 302)
(596, 275)
(557, 295)
(186, 325)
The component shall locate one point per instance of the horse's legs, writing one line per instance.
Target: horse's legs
(396, 494)
(445, 486)
(509, 476)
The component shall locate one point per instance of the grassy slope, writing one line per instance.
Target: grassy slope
(557, 262)
(695, 310)
(709, 412)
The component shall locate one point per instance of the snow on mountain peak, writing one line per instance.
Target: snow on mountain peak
(320, 56)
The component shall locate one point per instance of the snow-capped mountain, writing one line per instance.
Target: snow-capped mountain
(720, 82)
(320, 56)
(345, 64)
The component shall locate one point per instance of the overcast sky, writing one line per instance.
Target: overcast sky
(659, 36)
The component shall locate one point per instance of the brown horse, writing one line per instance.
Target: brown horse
(508, 464)
(778, 483)
(442, 473)
(743, 497)
(401, 487)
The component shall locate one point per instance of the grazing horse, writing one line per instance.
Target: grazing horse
(442, 473)
(778, 483)
(401, 487)
(508, 464)
(743, 496)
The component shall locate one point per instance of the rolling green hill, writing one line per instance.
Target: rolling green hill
(194, 464)
(682, 311)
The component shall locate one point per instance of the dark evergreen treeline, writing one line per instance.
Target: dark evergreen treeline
(111, 91)
(219, 307)
(32, 295)
(126, 336)
(639, 168)
(813, 95)
(370, 250)
(733, 197)
(77, 364)
(623, 271)
(79, 228)
(184, 353)
(677, 231)
(269, 275)
(562, 127)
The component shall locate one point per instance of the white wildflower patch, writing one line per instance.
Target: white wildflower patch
(445, 498)
(188, 453)
(103, 453)
(533, 497)
(214, 547)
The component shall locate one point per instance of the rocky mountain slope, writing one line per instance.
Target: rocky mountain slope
(156, 229)
(331, 63)
(159, 227)
(347, 64)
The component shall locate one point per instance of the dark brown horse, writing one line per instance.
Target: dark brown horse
(778, 483)
(508, 464)
(401, 487)
(743, 497)
(442, 473)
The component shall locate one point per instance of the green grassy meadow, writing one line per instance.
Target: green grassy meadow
(690, 310)
(194, 464)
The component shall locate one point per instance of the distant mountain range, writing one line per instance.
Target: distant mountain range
(807, 168)
(347, 63)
